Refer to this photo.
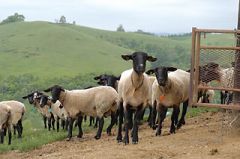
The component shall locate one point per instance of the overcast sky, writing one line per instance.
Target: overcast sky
(159, 16)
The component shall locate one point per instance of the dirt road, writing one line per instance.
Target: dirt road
(203, 137)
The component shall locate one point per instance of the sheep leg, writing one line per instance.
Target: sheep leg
(49, 124)
(142, 114)
(149, 115)
(80, 132)
(126, 123)
(137, 119)
(154, 114)
(14, 129)
(45, 122)
(91, 121)
(120, 122)
(20, 126)
(85, 118)
(174, 118)
(9, 135)
(18, 130)
(1, 136)
(58, 124)
(100, 127)
(63, 123)
(161, 116)
(113, 120)
(71, 120)
(184, 111)
(53, 122)
(96, 123)
(67, 123)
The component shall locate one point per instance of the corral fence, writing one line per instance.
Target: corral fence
(218, 46)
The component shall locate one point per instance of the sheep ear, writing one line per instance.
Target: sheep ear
(171, 69)
(97, 77)
(25, 97)
(100, 82)
(151, 58)
(48, 90)
(118, 78)
(127, 57)
(149, 72)
(62, 89)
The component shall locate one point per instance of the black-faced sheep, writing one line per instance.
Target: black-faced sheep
(170, 89)
(47, 115)
(18, 110)
(57, 111)
(97, 102)
(5, 122)
(112, 81)
(133, 89)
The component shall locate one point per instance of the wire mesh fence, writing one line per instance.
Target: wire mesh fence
(213, 68)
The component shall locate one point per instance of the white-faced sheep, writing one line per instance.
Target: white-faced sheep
(47, 115)
(133, 89)
(170, 89)
(5, 122)
(57, 110)
(18, 110)
(97, 102)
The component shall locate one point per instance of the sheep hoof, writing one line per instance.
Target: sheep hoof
(134, 142)
(119, 139)
(68, 139)
(80, 136)
(97, 137)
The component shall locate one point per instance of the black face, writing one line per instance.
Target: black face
(32, 96)
(162, 74)
(43, 100)
(107, 80)
(139, 61)
(55, 91)
(209, 72)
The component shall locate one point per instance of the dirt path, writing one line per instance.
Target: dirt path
(202, 137)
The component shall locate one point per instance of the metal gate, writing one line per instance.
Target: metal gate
(221, 55)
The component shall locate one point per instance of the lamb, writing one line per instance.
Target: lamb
(57, 110)
(207, 96)
(97, 102)
(5, 122)
(18, 110)
(46, 114)
(170, 89)
(133, 89)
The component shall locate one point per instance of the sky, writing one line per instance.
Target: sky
(156, 16)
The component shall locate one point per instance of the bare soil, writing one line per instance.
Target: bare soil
(207, 136)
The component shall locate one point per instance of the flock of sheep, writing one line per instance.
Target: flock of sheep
(123, 98)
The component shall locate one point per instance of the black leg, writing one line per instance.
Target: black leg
(142, 114)
(9, 135)
(149, 115)
(100, 127)
(96, 123)
(45, 122)
(49, 124)
(58, 124)
(80, 132)
(126, 123)
(1, 136)
(21, 127)
(14, 129)
(53, 122)
(91, 120)
(161, 116)
(85, 118)
(67, 124)
(154, 114)
(120, 122)
(136, 122)
(18, 130)
(184, 111)
(113, 120)
(71, 120)
(63, 123)
(174, 118)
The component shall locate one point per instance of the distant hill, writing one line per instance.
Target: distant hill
(55, 50)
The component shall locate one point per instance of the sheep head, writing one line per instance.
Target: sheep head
(162, 74)
(55, 91)
(139, 61)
